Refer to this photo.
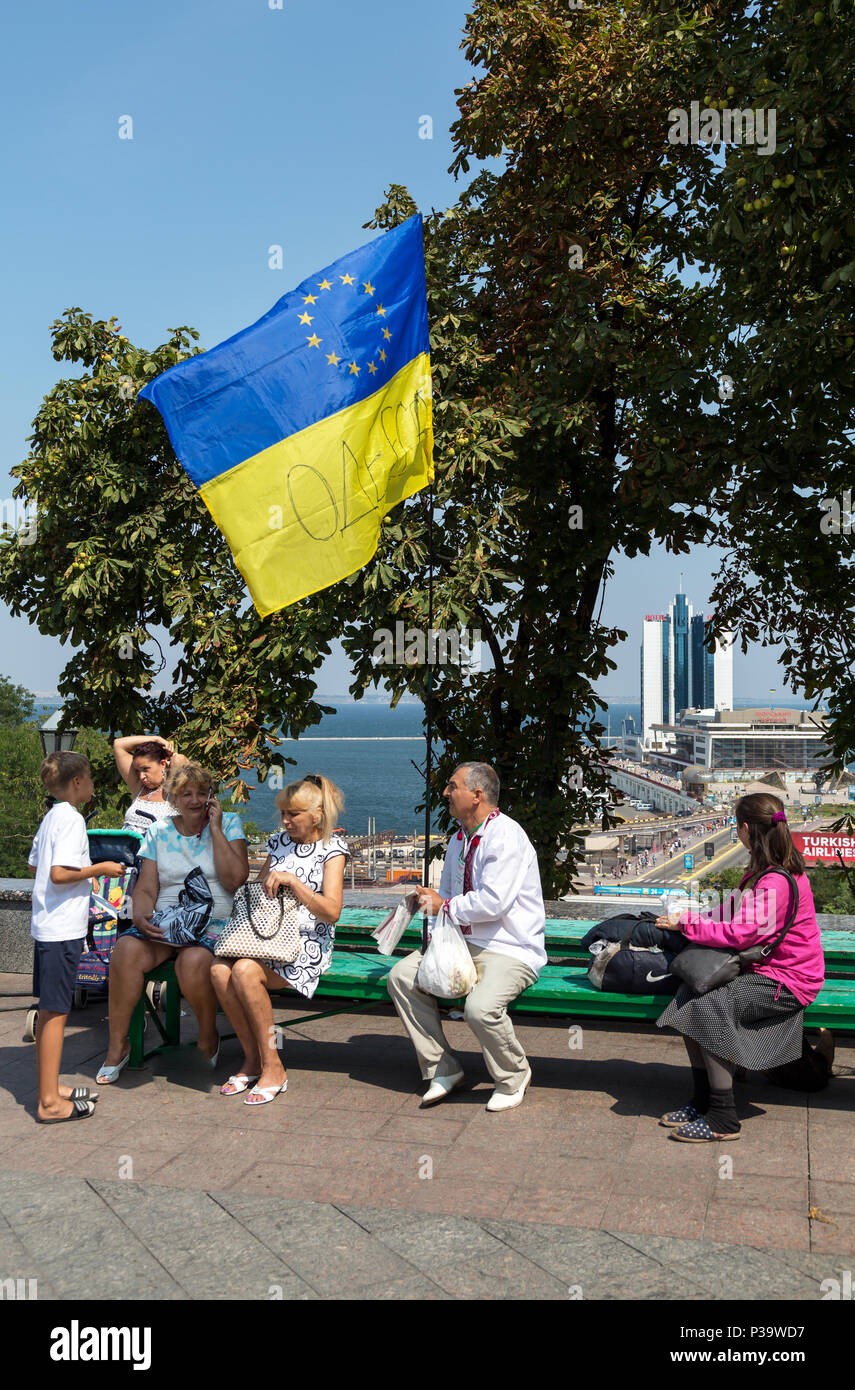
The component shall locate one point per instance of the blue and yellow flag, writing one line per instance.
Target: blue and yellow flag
(305, 429)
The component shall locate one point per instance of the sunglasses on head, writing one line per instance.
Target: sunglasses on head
(314, 779)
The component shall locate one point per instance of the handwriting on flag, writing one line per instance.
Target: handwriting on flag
(328, 497)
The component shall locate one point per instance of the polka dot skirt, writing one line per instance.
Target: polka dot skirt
(752, 1021)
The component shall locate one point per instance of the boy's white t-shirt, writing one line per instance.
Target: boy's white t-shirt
(60, 910)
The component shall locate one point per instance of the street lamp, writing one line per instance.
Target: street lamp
(55, 740)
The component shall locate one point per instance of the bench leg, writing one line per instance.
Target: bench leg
(173, 1013)
(135, 1035)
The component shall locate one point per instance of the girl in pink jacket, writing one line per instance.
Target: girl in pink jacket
(754, 1021)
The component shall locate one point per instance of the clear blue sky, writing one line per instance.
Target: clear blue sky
(252, 127)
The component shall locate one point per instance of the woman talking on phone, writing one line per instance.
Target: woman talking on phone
(755, 1020)
(199, 837)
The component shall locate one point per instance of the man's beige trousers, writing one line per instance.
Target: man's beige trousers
(500, 979)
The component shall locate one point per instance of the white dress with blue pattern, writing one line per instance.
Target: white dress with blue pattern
(307, 863)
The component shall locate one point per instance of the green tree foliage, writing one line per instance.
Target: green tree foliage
(127, 560)
(575, 401)
(21, 796)
(17, 705)
(782, 243)
(21, 791)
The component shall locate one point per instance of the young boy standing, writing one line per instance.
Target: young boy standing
(60, 859)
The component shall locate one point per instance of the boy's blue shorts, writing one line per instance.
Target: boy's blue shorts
(54, 973)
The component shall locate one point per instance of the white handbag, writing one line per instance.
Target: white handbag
(262, 928)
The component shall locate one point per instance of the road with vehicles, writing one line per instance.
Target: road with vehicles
(671, 871)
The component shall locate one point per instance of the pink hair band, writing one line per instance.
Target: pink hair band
(779, 815)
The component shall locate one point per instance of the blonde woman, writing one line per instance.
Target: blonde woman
(198, 836)
(309, 858)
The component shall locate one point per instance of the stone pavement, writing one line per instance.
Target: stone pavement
(344, 1188)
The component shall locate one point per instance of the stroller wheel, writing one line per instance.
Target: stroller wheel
(30, 1025)
(79, 998)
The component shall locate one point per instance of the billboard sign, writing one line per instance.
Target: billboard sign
(824, 849)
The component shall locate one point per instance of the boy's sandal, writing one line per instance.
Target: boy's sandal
(267, 1093)
(83, 1093)
(684, 1116)
(82, 1109)
(238, 1083)
(107, 1075)
(699, 1132)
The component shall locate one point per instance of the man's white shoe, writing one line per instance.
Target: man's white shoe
(498, 1101)
(440, 1089)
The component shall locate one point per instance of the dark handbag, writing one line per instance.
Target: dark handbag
(186, 922)
(703, 968)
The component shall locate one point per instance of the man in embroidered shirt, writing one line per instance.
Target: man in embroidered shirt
(490, 888)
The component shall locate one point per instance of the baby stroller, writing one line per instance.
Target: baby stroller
(106, 902)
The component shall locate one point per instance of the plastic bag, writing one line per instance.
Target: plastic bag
(447, 969)
(395, 923)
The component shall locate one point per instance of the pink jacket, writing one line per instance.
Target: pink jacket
(798, 962)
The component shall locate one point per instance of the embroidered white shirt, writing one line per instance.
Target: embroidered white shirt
(503, 911)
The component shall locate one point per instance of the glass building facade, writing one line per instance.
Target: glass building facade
(680, 615)
(778, 754)
(703, 666)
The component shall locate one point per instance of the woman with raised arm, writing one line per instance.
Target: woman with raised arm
(309, 858)
(144, 760)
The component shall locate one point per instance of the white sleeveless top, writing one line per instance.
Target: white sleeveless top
(142, 814)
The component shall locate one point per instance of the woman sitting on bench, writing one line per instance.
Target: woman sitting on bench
(198, 837)
(307, 857)
(755, 1020)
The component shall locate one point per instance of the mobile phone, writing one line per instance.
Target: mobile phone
(205, 816)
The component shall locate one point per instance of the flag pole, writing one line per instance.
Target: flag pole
(428, 714)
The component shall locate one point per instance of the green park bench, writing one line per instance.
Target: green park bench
(563, 939)
(359, 977)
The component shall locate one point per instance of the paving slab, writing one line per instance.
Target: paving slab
(583, 1158)
(326, 1248)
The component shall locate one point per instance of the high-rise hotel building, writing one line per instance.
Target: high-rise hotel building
(677, 671)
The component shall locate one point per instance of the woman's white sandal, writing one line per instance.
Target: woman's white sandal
(267, 1093)
(107, 1075)
(240, 1083)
